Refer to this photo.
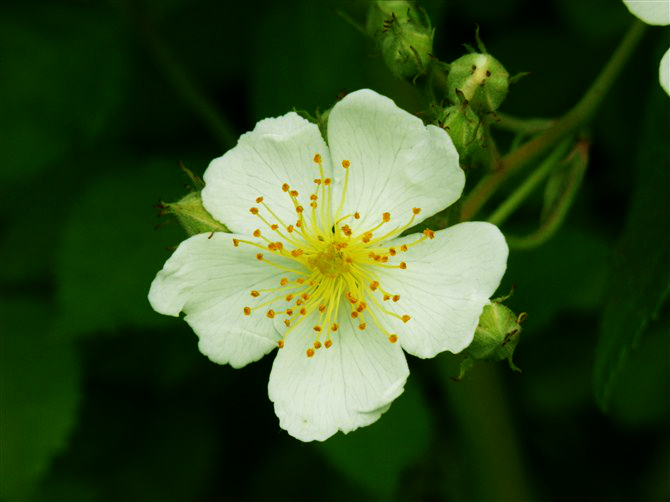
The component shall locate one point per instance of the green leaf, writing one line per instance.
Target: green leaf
(40, 390)
(110, 251)
(639, 277)
(375, 456)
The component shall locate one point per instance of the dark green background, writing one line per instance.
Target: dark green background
(105, 400)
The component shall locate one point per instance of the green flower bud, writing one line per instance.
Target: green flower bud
(464, 128)
(192, 215)
(496, 336)
(481, 78)
(404, 34)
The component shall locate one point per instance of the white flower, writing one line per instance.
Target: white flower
(657, 13)
(316, 265)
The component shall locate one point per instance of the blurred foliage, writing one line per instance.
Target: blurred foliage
(103, 399)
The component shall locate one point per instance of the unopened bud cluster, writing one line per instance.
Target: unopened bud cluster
(404, 35)
(476, 86)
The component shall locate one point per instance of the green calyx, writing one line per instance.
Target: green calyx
(404, 35)
(496, 337)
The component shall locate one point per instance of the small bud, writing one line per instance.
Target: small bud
(404, 34)
(496, 337)
(465, 129)
(481, 79)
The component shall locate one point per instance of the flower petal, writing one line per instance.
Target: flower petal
(664, 72)
(447, 282)
(278, 150)
(397, 163)
(210, 280)
(650, 11)
(347, 386)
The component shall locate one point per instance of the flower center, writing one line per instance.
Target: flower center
(331, 261)
(330, 265)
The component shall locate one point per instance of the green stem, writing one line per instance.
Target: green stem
(554, 219)
(570, 123)
(530, 184)
(520, 126)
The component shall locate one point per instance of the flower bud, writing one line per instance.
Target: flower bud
(496, 337)
(192, 215)
(464, 128)
(482, 80)
(404, 34)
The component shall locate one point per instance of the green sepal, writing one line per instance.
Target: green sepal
(192, 215)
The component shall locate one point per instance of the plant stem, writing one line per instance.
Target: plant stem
(571, 122)
(530, 183)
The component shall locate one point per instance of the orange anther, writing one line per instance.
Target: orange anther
(312, 205)
(354, 314)
(236, 242)
(310, 352)
(416, 210)
(402, 265)
(317, 181)
(274, 226)
(285, 187)
(300, 280)
(253, 210)
(403, 248)
(392, 251)
(305, 296)
(259, 200)
(270, 313)
(334, 327)
(322, 308)
(317, 329)
(272, 246)
(362, 326)
(287, 322)
(297, 252)
(328, 344)
(317, 158)
(303, 311)
(283, 281)
(293, 193)
(405, 318)
(386, 217)
(374, 285)
(387, 297)
(259, 256)
(313, 197)
(429, 233)
(298, 224)
(357, 215)
(346, 164)
(317, 344)
(289, 228)
(299, 209)
(257, 233)
(255, 294)
(280, 344)
(246, 310)
(393, 338)
(327, 181)
(396, 298)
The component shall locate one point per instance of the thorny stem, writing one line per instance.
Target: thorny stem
(570, 123)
